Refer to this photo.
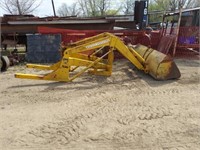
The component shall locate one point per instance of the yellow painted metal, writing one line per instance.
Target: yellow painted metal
(29, 76)
(73, 60)
(61, 73)
(43, 67)
(159, 65)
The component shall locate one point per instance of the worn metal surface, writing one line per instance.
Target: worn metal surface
(69, 36)
(188, 37)
(27, 24)
(43, 48)
(32, 28)
(159, 65)
(19, 26)
(165, 44)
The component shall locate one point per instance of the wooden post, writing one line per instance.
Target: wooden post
(178, 26)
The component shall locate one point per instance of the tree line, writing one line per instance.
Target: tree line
(94, 8)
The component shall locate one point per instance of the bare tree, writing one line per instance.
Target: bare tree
(162, 4)
(103, 6)
(19, 7)
(193, 4)
(89, 7)
(96, 7)
(83, 7)
(172, 5)
(128, 7)
(66, 10)
(175, 4)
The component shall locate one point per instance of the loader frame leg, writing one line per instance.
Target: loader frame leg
(61, 70)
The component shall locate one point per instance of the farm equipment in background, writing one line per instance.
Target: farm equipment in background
(181, 29)
(4, 63)
(85, 53)
(10, 57)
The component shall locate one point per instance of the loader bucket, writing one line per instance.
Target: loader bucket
(159, 65)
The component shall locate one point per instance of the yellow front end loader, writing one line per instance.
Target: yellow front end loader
(156, 64)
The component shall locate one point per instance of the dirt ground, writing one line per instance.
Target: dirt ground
(127, 111)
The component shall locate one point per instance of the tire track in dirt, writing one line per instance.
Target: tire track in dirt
(64, 130)
(147, 112)
(57, 131)
(145, 135)
(100, 104)
(127, 113)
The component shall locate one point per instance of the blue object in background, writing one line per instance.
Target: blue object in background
(187, 40)
(43, 48)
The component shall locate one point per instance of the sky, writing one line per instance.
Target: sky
(45, 9)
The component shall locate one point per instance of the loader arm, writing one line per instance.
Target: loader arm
(110, 40)
(68, 68)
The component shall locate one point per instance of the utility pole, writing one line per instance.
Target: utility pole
(54, 12)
